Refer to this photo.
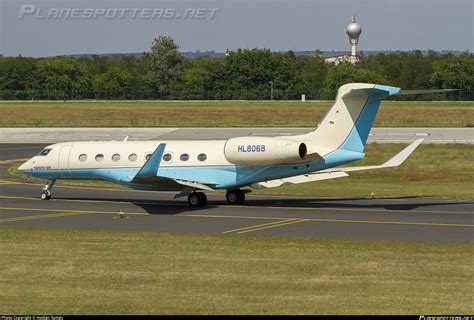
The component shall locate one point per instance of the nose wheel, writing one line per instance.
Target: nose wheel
(46, 194)
(197, 199)
(235, 197)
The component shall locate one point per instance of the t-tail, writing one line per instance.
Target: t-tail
(348, 123)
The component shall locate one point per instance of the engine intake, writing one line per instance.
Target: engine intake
(248, 151)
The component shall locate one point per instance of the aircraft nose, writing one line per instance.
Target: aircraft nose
(25, 167)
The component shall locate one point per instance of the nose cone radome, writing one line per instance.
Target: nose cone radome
(25, 167)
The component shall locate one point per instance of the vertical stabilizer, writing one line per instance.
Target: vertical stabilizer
(347, 124)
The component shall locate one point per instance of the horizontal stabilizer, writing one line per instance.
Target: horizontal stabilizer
(427, 91)
(395, 161)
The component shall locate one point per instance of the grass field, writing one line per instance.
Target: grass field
(431, 171)
(221, 114)
(55, 271)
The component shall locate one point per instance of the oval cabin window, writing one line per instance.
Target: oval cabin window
(184, 157)
(167, 157)
(132, 157)
(202, 157)
(83, 157)
(99, 157)
(116, 157)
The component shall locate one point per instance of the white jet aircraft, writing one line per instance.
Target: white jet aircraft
(188, 167)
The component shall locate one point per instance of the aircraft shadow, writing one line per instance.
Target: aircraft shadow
(173, 207)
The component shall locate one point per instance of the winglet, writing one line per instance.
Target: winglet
(150, 167)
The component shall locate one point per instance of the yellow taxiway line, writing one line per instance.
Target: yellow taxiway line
(265, 226)
(318, 209)
(67, 211)
(285, 219)
(334, 220)
(268, 196)
(39, 216)
(258, 225)
(13, 160)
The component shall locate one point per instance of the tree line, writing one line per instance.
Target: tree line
(164, 73)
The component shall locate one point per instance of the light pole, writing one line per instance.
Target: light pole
(271, 90)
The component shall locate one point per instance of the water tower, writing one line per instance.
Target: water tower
(353, 30)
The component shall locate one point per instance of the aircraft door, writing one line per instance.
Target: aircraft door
(63, 161)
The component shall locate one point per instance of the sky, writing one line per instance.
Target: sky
(37, 28)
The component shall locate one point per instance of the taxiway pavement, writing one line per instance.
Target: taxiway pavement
(379, 135)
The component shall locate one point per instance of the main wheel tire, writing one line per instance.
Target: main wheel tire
(194, 199)
(241, 197)
(45, 196)
(235, 197)
(203, 199)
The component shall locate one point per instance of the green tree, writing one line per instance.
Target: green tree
(17, 73)
(347, 73)
(115, 83)
(167, 65)
(58, 77)
(454, 73)
(203, 78)
(311, 74)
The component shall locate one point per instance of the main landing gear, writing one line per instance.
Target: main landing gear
(46, 195)
(236, 196)
(197, 199)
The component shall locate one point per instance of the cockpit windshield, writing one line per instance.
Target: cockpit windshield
(44, 152)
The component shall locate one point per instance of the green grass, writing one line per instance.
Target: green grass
(431, 171)
(221, 114)
(55, 271)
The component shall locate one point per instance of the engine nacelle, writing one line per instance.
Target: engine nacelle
(254, 151)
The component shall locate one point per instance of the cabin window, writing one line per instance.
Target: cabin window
(83, 157)
(116, 157)
(132, 157)
(44, 152)
(184, 157)
(148, 156)
(99, 157)
(167, 157)
(202, 157)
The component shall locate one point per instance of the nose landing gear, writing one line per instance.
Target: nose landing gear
(46, 194)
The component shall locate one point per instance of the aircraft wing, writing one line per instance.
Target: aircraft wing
(396, 161)
(148, 174)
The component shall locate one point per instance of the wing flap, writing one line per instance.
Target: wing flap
(316, 176)
(194, 184)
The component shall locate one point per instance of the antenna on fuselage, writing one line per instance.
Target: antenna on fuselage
(126, 138)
